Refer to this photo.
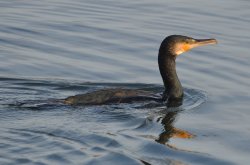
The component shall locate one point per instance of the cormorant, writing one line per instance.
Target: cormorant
(170, 48)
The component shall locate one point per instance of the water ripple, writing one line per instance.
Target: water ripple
(51, 48)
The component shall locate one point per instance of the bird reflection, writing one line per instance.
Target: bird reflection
(169, 130)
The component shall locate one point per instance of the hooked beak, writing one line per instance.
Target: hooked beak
(181, 48)
(202, 42)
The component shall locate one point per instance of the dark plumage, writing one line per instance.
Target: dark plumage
(170, 48)
(108, 96)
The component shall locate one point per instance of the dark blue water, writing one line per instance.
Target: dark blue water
(54, 49)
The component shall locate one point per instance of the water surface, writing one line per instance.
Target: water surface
(54, 49)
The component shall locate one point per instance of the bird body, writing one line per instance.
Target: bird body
(171, 47)
(111, 96)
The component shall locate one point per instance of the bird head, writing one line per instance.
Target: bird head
(178, 44)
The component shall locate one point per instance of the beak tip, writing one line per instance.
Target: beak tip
(206, 41)
(215, 41)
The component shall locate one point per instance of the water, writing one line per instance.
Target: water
(54, 49)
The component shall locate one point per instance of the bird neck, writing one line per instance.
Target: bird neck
(167, 67)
